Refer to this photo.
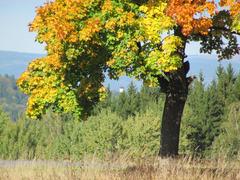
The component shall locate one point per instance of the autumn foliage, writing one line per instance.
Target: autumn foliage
(85, 39)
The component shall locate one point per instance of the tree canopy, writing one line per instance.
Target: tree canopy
(142, 39)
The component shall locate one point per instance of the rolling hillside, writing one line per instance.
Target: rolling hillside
(14, 63)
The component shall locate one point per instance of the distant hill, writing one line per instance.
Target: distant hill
(14, 63)
(207, 64)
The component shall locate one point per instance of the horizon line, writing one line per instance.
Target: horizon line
(22, 52)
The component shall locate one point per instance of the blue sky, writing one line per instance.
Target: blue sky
(15, 15)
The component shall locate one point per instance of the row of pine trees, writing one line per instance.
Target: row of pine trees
(129, 123)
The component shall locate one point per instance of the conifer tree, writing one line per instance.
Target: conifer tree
(227, 144)
(236, 88)
(226, 80)
(195, 121)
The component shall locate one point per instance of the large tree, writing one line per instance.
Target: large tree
(145, 39)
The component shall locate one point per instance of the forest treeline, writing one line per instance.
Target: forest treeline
(129, 123)
(12, 101)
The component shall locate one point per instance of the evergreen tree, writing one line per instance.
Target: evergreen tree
(214, 115)
(206, 109)
(121, 105)
(195, 120)
(236, 89)
(128, 102)
(225, 82)
(133, 103)
(149, 96)
(228, 142)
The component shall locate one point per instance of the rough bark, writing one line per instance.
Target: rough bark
(176, 96)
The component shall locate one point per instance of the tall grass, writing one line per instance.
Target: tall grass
(121, 168)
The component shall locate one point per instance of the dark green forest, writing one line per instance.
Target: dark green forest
(125, 123)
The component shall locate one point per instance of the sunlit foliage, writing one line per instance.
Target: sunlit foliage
(85, 39)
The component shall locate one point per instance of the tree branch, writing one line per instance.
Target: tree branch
(226, 29)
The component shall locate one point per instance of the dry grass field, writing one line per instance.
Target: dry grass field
(120, 168)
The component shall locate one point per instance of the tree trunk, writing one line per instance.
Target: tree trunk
(176, 96)
(176, 90)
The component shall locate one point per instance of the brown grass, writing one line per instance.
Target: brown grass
(121, 168)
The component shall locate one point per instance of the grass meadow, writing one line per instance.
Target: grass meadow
(121, 168)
